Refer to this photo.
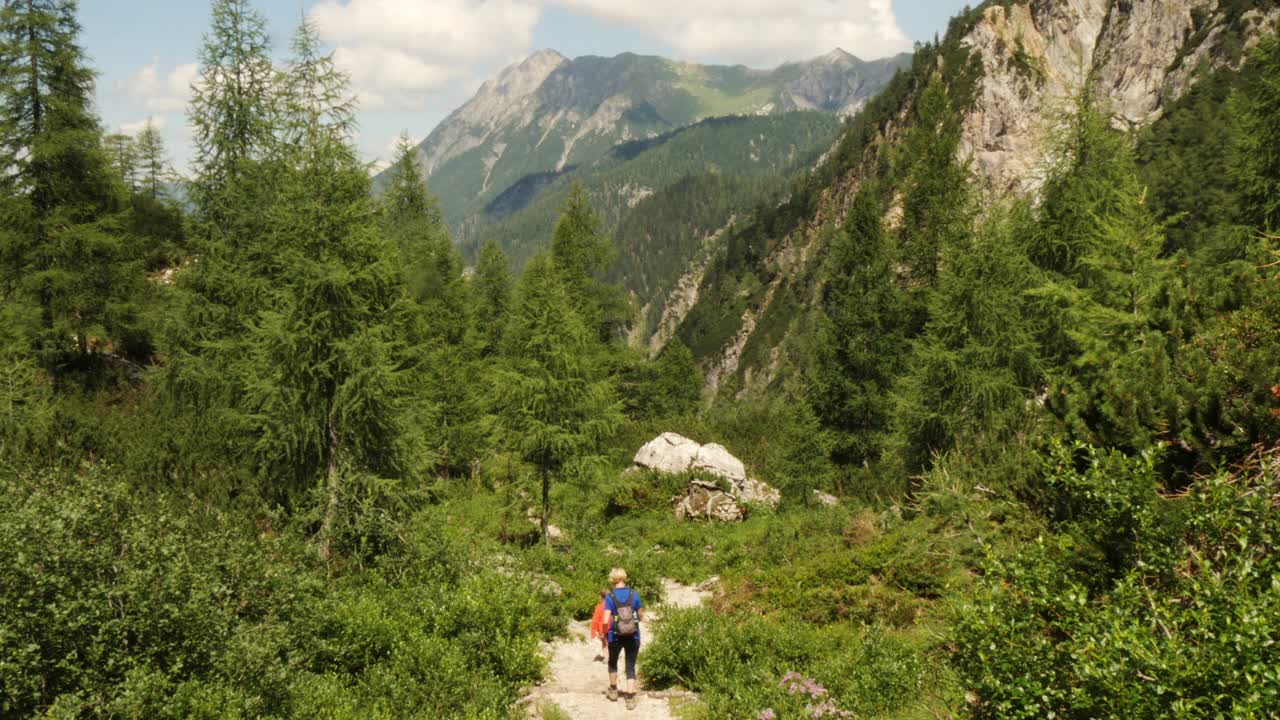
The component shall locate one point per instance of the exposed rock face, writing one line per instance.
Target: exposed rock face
(708, 499)
(1004, 133)
(1036, 57)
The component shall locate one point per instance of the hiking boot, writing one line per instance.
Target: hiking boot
(612, 694)
(631, 701)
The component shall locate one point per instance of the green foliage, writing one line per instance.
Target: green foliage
(155, 606)
(860, 344)
(63, 247)
(744, 665)
(977, 360)
(669, 385)
(1142, 606)
(1256, 162)
(556, 407)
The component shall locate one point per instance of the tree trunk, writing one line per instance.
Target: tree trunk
(331, 508)
(546, 505)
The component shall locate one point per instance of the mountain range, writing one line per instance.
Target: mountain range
(549, 114)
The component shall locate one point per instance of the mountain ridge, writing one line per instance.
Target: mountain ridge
(547, 112)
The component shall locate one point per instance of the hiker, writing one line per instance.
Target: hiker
(600, 627)
(625, 609)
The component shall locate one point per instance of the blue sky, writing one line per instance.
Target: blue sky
(413, 61)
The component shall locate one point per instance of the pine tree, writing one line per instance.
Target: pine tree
(122, 153)
(432, 263)
(319, 367)
(233, 106)
(554, 404)
(63, 243)
(1120, 320)
(1090, 162)
(860, 340)
(977, 360)
(234, 118)
(1256, 107)
(937, 202)
(491, 287)
(806, 464)
(581, 253)
(153, 162)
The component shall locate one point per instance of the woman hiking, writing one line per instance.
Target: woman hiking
(624, 608)
(600, 626)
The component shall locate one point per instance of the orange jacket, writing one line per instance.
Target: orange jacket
(600, 622)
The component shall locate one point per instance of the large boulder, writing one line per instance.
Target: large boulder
(668, 453)
(705, 499)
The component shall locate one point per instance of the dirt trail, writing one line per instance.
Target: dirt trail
(576, 682)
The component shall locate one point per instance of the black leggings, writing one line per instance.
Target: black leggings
(632, 646)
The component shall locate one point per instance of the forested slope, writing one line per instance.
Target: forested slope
(274, 453)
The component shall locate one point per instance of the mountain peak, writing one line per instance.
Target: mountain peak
(544, 56)
(838, 55)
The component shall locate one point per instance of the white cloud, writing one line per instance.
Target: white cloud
(137, 126)
(761, 33)
(169, 93)
(400, 52)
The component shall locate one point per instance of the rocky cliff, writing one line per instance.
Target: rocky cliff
(1035, 57)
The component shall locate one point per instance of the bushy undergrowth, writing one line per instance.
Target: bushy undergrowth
(745, 665)
(1139, 605)
(121, 603)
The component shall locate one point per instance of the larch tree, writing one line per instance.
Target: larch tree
(319, 365)
(977, 359)
(554, 403)
(581, 253)
(152, 162)
(491, 287)
(63, 245)
(860, 345)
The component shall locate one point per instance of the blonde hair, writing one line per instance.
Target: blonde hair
(617, 575)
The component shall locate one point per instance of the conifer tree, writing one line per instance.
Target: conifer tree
(319, 366)
(492, 291)
(581, 253)
(233, 106)
(977, 360)
(153, 162)
(806, 464)
(1256, 106)
(937, 203)
(122, 153)
(860, 339)
(432, 263)
(1090, 162)
(1120, 320)
(554, 404)
(63, 245)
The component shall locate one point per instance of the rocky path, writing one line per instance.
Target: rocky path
(576, 682)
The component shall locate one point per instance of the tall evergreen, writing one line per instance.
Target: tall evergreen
(1257, 155)
(152, 161)
(937, 203)
(491, 287)
(319, 365)
(977, 361)
(122, 153)
(581, 253)
(233, 106)
(860, 340)
(554, 404)
(1121, 320)
(63, 246)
